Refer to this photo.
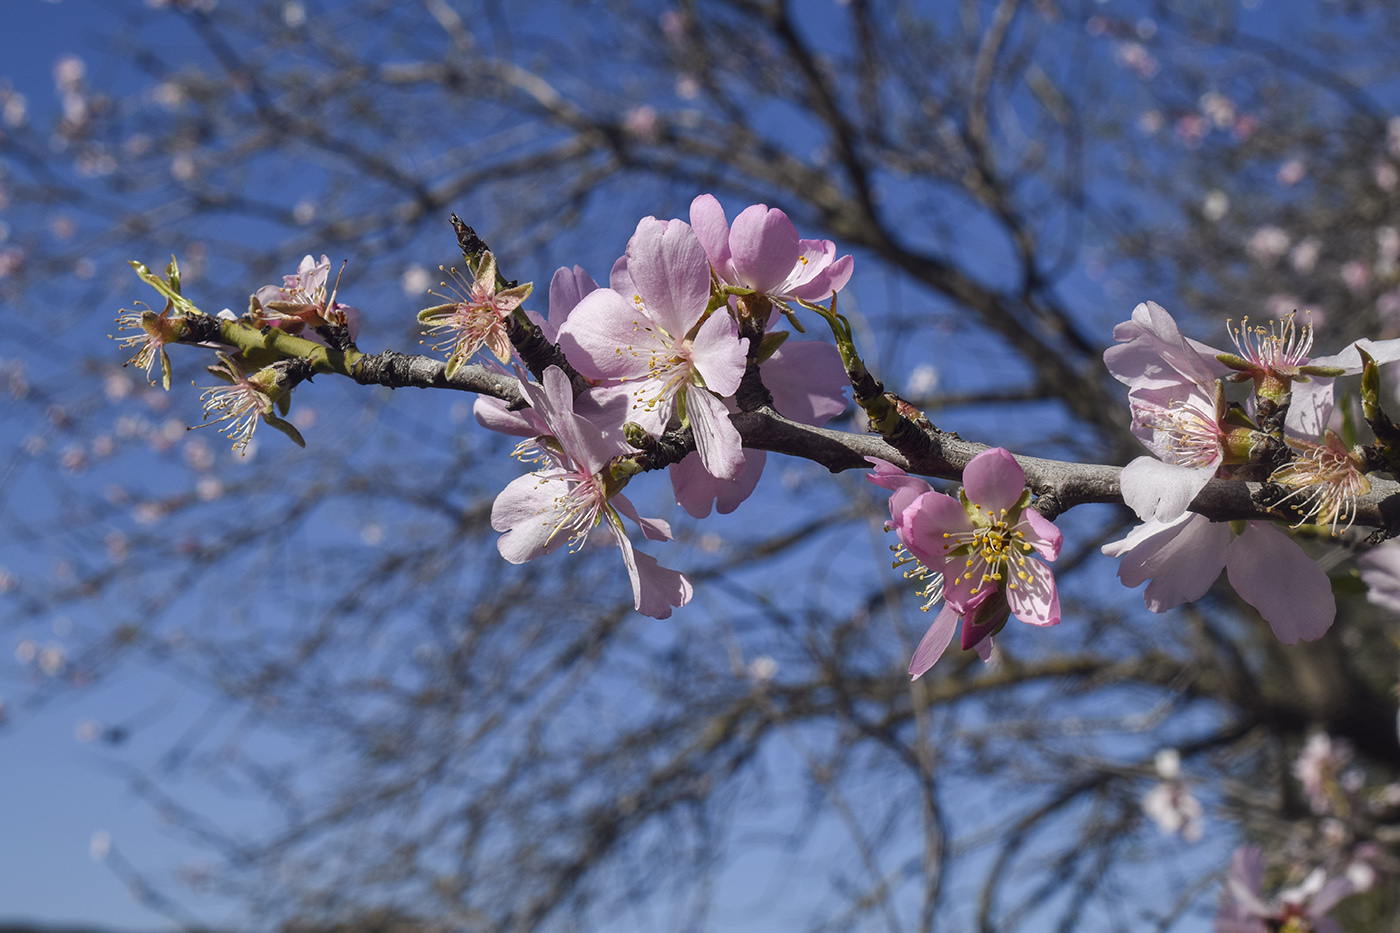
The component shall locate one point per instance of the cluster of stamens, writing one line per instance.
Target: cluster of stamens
(577, 510)
(239, 406)
(996, 554)
(1326, 482)
(1190, 436)
(932, 581)
(148, 342)
(1279, 348)
(668, 366)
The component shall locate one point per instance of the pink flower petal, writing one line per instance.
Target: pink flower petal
(671, 272)
(653, 528)
(655, 589)
(1182, 558)
(716, 440)
(525, 511)
(495, 415)
(934, 642)
(584, 442)
(763, 244)
(1380, 571)
(1042, 534)
(827, 281)
(994, 480)
(719, 355)
(1159, 491)
(696, 490)
(566, 290)
(924, 522)
(712, 228)
(1310, 408)
(608, 337)
(1274, 575)
(807, 379)
(982, 621)
(905, 488)
(1035, 599)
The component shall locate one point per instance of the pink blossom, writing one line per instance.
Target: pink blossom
(981, 543)
(1183, 557)
(475, 315)
(763, 252)
(1173, 393)
(574, 493)
(1305, 907)
(301, 301)
(654, 332)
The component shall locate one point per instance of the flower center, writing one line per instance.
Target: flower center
(996, 553)
(576, 510)
(1326, 481)
(1279, 348)
(1188, 436)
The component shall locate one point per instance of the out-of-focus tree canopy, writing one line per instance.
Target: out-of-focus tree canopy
(443, 740)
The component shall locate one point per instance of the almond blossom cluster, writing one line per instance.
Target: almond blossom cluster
(1177, 396)
(647, 370)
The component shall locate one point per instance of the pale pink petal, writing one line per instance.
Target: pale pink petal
(1310, 408)
(352, 320)
(1380, 571)
(1246, 880)
(496, 415)
(1332, 893)
(608, 337)
(716, 439)
(1159, 491)
(718, 354)
(924, 522)
(696, 490)
(550, 332)
(655, 589)
(904, 488)
(763, 243)
(1182, 558)
(526, 511)
(1382, 351)
(671, 273)
(1274, 575)
(1153, 328)
(826, 282)
(962, 589)
(994, 480)
(934, 642)
(807, 379)
(566, 290)
(653, 528)
(584, 442)
(985, 647)
(1042, 534)
(620, 280)
(1034, 599)
(712, 229)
